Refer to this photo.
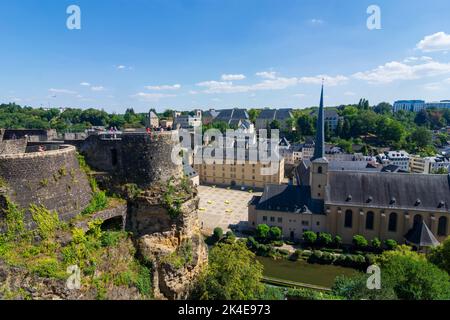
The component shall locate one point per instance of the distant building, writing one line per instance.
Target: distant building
(332, 118)
(428, 165)
(409, 105)
(444, 104)
(153, 120)
(267, 116)
(242, 173)
(398, 158)
(209, 116)
(187, 121)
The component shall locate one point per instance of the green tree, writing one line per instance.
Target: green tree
(218, 233)
(275, 233)
(262, 231)
(325, 239)
(360, 242)
(233, 273)
(309, 237)
(440, 255)
(421, 137)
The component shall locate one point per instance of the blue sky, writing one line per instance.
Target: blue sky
(221, 53)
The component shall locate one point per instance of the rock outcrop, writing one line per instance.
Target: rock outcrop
(173, 244)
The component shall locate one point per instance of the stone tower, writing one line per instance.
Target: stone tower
(319, 164)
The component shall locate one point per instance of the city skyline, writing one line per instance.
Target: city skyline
(212, 54)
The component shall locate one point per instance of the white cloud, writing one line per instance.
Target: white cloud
(62, 91)
(267, 74)
(222, 87)
(440, 41)
(299, 95)
(328, 80)
(396, 70)
(232, 77)
(98, 88)
(349, 94)
(436, 86)
(316, 22)
(85, 84)
(164, 87)
(271, 81)
(152, 96)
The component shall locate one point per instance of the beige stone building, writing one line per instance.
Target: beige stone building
(247, 174)
(380, 205)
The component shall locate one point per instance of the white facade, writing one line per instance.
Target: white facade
(409, 105)
(398, 158)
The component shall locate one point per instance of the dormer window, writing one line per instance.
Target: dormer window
(349, 198)
(418, 202)
(370, 199)
(393, 200)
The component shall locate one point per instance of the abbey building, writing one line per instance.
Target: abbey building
(405, 207)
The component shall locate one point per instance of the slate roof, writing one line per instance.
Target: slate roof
(278, 114)
(389, 190)
(421, 236)
(288, 198)
(228, 115)
(337, 165)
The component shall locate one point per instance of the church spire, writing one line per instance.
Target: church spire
(319, 151)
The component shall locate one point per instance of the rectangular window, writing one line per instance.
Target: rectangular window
(264, 218)
(272, 219)
(280, 220)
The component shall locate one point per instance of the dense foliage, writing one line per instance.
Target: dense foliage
(13, 116)
(405, 275)
(232, 274)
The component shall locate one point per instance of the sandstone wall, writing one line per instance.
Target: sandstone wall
(134, 157)
(53, 179)
(13, 146)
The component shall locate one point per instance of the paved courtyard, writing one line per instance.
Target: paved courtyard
(221, 207)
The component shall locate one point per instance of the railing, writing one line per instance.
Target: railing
(293, 284)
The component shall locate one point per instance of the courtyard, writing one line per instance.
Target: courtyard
(224, 208)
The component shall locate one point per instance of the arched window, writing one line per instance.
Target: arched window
(392, 222)
(319, 170)
(442, 226)
(348, 223)
(369, 220)
(417, 221)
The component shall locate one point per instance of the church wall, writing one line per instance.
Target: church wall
(405, 221)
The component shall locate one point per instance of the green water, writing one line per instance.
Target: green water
(302, 271)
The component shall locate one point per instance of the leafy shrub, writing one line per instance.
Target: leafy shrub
(218, 233)
(337, 241)
(262, 231)
(360, 242)
(98, 202)
(390, 244)
(376, 243)
(277, 243)
(283, 252)
(309, 237)
(110, 238)
(275, 233)
(325, 239)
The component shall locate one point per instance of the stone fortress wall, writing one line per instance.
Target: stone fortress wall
(138, 158)
(52, 178)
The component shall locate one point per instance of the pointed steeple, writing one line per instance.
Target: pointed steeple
(319, 151)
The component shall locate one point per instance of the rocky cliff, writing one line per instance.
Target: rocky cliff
(173, 243)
